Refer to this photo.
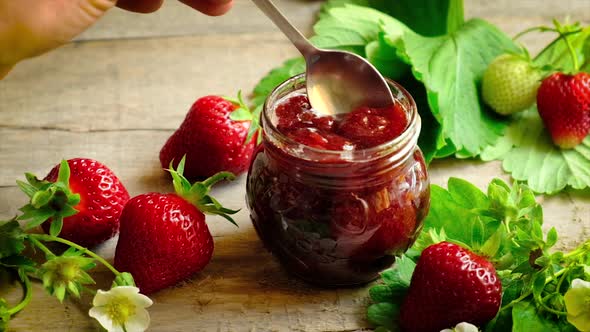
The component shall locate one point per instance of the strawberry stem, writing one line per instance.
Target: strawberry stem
(26, 282)
(41, 246)
(533, 29)
(50, 238)
(218, 177)
(563, 34)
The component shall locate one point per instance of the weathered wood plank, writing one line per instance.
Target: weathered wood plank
(133, 84)
(176, 19)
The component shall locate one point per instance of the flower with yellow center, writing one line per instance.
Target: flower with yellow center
(577, 304)
(121, 309)
(462, 327)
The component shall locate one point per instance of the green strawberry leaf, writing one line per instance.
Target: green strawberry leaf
(529, 154)
(384, 315)
(275, 77)
(381, 293)
(383, 56)
(451, 67)
(12, 238)
(526, 317)
(399, 276)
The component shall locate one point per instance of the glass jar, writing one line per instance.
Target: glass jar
(337, 218)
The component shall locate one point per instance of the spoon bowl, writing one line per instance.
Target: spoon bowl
(337, 81)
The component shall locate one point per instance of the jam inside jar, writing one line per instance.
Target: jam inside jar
(337, 209)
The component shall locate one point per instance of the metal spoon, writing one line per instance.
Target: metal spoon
(337, 81)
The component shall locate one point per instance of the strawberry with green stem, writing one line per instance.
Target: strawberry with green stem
(563, 98)
(164, 238)
(510, 83)
(218, 134)
(450, 285)
(81, 199)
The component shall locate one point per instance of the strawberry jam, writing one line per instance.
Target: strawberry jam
(337, 199)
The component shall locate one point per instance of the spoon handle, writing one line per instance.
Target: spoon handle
(298, 40)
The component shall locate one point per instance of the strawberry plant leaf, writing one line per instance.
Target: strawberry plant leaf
(451, 67)
(383, 56)
(526, 318)
(529, 154)
(381, 293)
(12, 238)
(384, 315)
(275, 77)
(399, 276)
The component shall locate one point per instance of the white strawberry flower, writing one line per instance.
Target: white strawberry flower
(121, 309)
(577, 304)
(462, 327)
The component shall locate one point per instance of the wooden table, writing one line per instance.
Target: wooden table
(120, 90)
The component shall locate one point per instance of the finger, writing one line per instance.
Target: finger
(210, 7)
(34, 26)
(140, 6)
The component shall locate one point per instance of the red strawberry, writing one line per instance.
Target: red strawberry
(83, 195)
(450, 285)
(164, 238)
(564, 105)
(213, 137)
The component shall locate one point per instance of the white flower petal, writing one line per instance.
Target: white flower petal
(102, 317)
(466, 327)
(101, 298)
(581, 322)
(446, 330)
(579, 283)
(141, 301)
(127, 291)
(575, 300)
(138, 322)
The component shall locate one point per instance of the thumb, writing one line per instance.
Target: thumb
(31, 27)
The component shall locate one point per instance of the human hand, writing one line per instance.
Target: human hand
(31, 27)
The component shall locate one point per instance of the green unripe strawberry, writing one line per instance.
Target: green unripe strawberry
(510, 84)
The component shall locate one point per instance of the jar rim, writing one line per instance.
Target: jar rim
(408, 136)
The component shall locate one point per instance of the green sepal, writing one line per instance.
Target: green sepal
(123, 279)
(245, 113)
(56, 226)
(492, 245)
(198, 193)
(48, 200)
(66, 274)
